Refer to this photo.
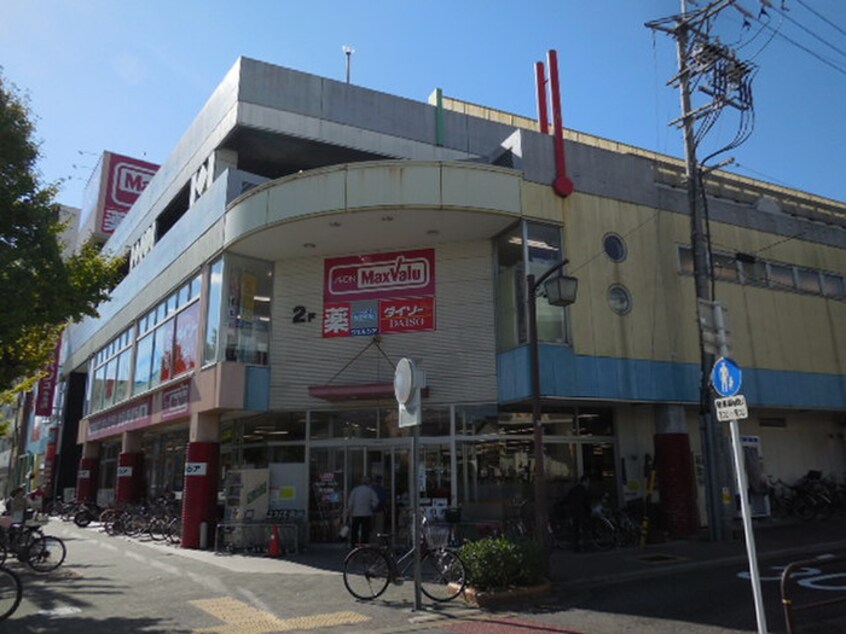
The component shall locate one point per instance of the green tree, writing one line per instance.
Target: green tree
(41, 291)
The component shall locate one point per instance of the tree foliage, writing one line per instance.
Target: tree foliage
(39, 289)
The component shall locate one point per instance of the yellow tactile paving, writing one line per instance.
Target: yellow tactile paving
(241, 618)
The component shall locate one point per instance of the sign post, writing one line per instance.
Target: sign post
(408, 381)
(726, 379)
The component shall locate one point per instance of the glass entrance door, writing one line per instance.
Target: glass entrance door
(335, 471)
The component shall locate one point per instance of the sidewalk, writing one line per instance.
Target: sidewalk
(584, 570)
(318, 569)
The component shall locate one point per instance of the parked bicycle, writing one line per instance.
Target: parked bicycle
(803, 500)
(26, 542)
(11, 592)
(368, 569)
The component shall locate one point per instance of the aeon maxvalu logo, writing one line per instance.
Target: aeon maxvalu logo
(400, 273)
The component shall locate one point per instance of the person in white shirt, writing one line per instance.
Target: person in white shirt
(360, 506)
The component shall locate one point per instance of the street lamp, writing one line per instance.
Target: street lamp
(560, 291)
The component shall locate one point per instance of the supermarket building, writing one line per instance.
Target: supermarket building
(306, 234)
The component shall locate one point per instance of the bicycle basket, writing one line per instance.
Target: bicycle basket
(437, 536)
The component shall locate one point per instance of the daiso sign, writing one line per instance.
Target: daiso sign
(377, 293)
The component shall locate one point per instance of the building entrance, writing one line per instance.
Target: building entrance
(335, 471)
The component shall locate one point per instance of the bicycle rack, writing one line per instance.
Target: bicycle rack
(787, 602)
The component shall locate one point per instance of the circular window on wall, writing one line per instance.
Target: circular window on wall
(614, 247)
(619, 299)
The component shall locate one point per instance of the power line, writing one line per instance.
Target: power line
(810, 32)
(822, 17)
(810, 52)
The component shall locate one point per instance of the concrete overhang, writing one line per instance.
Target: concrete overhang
(373, 206)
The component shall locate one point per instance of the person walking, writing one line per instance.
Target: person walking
(17, 505)
(380, 513)
(577, 502)
(360, 506)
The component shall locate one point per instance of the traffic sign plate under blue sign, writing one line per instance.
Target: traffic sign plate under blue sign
(726, 377)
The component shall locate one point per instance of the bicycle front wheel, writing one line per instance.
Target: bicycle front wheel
(11, 592)
(442, 575)
(46, 553)
(602, 533)
(366, 573)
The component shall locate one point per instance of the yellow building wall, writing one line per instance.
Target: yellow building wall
(770, 329)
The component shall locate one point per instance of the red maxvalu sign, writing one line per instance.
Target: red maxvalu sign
(379, 275)
(126, 179)
(379, 293)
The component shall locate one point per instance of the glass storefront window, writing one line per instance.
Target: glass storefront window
(249, 286)
(362, 423)
(109, 369)
(169, 345)
(527, 248)
(162, 369)
(164, 462)
(599, 422)
(185, 341)
(143, 361)
(213, 315)
(122, 382)
(544, 251)
(474, 419)
(510, 281)
(435, 422)
(282, 427)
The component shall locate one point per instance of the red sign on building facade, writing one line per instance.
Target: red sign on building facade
(126, 179)
(47, 385)
(379, 293)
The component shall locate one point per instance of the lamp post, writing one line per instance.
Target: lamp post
(560, 291)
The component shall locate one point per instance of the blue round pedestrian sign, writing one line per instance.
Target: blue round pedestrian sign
(726, 377)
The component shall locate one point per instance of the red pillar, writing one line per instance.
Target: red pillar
(676, 483)
(130, 478)
(199, 494)
(86, 480)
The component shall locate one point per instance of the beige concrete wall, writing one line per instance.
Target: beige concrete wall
(459, 356)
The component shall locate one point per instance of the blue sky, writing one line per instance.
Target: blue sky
(130, 76)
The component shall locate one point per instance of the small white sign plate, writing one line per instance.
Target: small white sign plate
(196, 468)
(731, 408)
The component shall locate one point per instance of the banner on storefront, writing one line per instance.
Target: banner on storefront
(131, 416)
(379, 293)
(47, 385)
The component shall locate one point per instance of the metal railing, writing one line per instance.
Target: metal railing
(788, 599)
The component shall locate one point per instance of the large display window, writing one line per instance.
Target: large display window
(528, 247)
(238, 321)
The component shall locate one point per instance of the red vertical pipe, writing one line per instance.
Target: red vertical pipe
(543, 116)
(563, 186)
(199, 494)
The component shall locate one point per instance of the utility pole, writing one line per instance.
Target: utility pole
(718, 73)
